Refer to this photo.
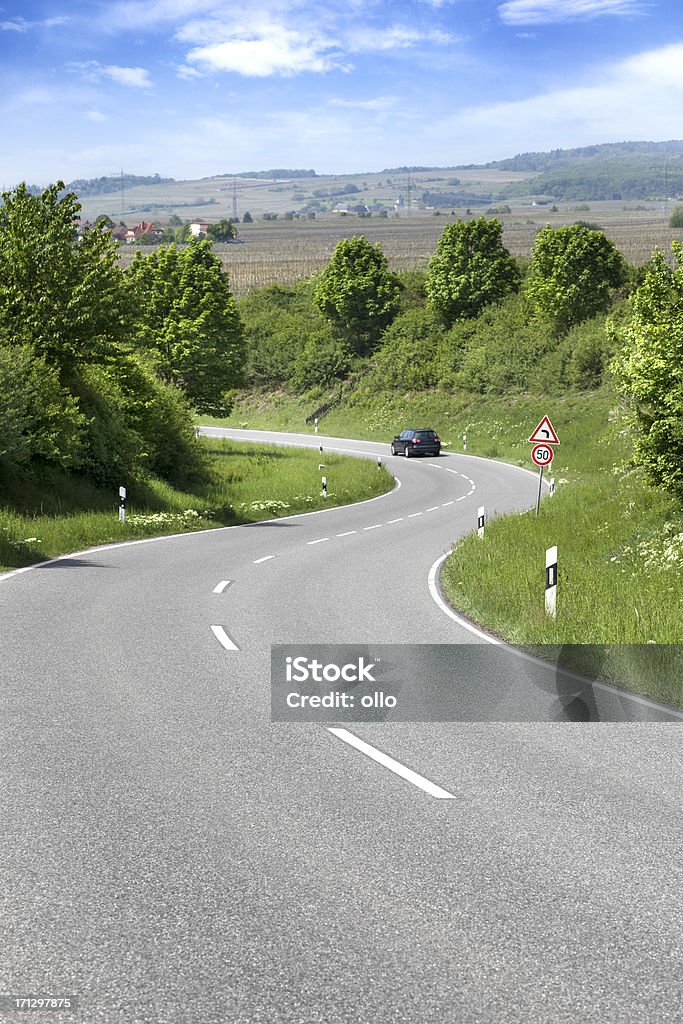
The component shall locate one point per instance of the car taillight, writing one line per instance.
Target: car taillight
(416, 440)
(436, 440)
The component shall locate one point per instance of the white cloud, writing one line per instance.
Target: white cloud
(95, 115)
(535, 12)
(397, 37)
(21, 25)
(379, 104)
(268, 49)
(134, 14)
(137, 78)
(637, 98)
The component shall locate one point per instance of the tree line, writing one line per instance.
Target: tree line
(103, 370)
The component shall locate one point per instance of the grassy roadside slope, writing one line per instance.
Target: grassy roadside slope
(57, 514)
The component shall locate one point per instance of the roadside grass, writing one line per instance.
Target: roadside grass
(247, 483)
(620, 541)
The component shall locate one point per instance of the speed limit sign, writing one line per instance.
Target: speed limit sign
(542, 454)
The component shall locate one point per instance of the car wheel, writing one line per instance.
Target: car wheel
(407, 451)
(393, 450)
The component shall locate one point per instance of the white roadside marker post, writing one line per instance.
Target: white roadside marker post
(122, 504)
(551, 488)
(379, 462)
(324, 487)
(316, 424)
(551, 582)
(481, 519)
(320, 448)
(464, 442)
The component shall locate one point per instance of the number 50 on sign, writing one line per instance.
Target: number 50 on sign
(542, 454)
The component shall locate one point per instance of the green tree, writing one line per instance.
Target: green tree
(67, 299)
(222, 231)
(188, 319)
(649, 370)
(357, 293)
(572, 274)
(676, 218)
(470, 269)
(247, 219)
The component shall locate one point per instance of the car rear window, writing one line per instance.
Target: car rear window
(425, 433)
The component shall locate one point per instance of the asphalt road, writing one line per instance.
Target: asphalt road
(171, 855)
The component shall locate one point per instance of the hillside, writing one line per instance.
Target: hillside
(627, 171)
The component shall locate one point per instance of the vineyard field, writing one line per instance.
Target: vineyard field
(283, 252)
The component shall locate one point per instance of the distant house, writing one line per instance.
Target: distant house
(199, 227)
(147, 228)
(343, 209)
(120, 232)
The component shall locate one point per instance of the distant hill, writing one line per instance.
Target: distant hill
(114, 183)
(622, 170)
(275, 173)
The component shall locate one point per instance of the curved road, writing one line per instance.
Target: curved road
(170, 855)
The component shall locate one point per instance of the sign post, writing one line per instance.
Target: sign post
(122, 504)
(542, 455)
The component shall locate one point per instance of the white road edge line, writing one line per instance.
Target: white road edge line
(266, 558)
(436, 596)
(223, 585)
(394, 766)
(223, 638)
(462, 497)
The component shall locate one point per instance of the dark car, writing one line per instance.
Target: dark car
(416, 442)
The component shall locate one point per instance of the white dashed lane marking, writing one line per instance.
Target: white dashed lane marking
(391, 521)
(321, 540)
(413, 514)
(347, 534)
(394, 766)
(223, 638)
(266, 558)
(220, 587)
(375, 527)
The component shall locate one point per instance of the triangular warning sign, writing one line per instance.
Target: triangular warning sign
(544, 433)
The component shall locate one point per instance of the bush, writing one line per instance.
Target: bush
(39, 419)
(586, 351)
(324, 359)
(277, 321)
(408, 354)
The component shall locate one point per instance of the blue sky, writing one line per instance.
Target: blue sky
(190, 88)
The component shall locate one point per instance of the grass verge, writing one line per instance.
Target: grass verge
(247, 483)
